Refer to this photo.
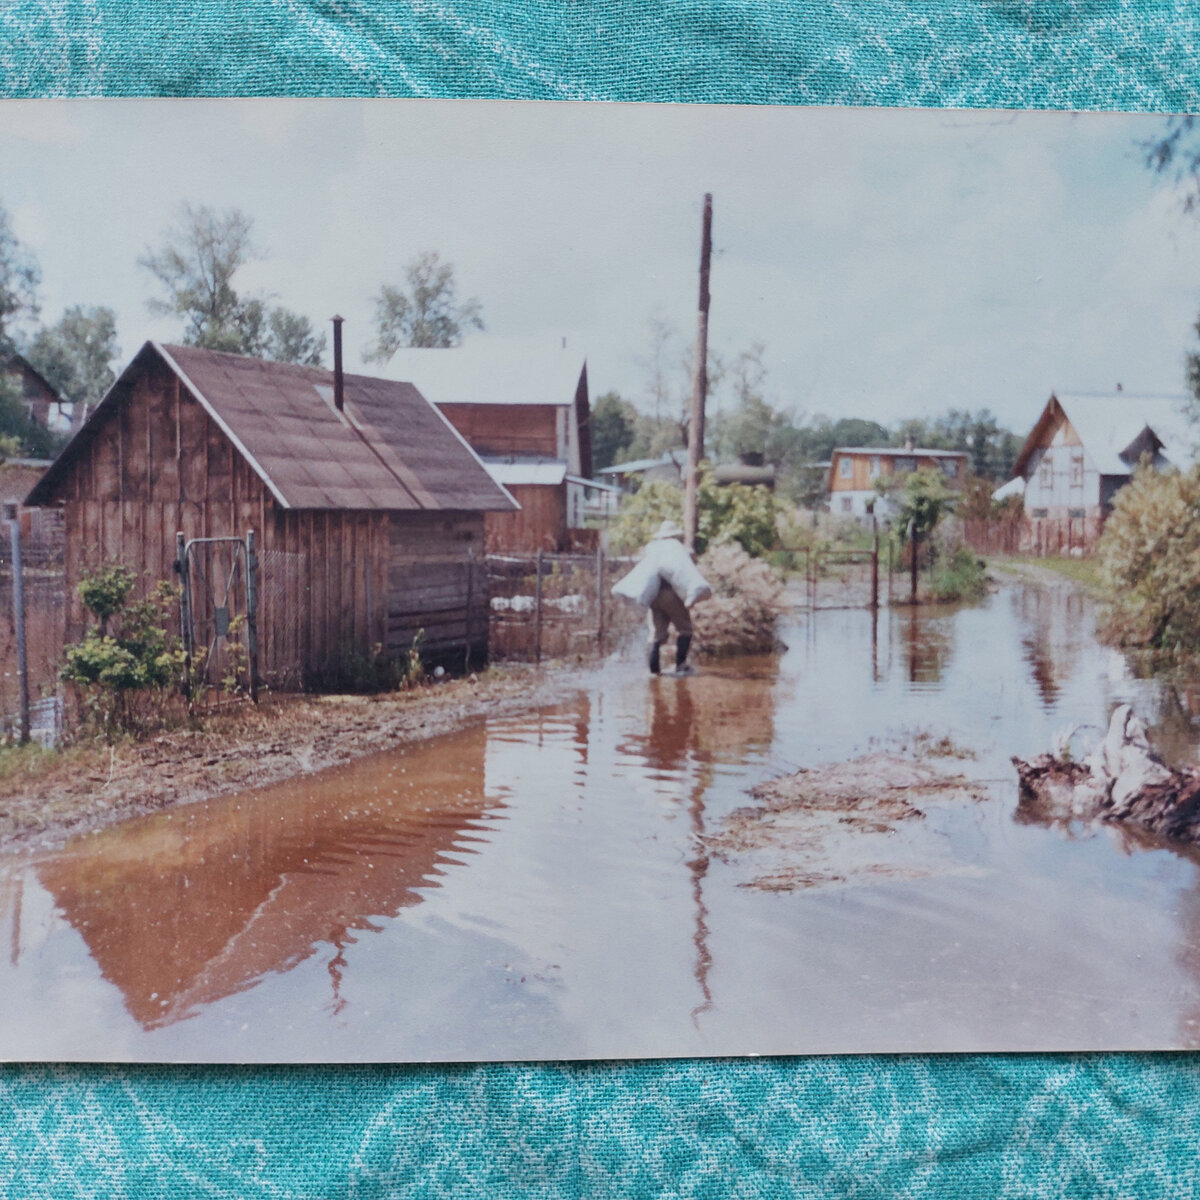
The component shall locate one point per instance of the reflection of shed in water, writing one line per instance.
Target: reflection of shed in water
(179, 910)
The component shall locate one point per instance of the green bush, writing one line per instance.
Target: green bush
(123, 678)
(960, 575)
(1149, 556)
(733, 513)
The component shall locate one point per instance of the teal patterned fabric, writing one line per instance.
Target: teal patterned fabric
(1010, 53)
(1069, 1126)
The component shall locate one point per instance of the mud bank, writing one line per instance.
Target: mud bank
(839, 824)
(89, 786)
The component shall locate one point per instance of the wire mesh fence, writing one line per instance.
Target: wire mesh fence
(841, 577)
(555, 605)
(45, 610)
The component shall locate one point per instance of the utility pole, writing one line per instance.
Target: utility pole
(691, 516)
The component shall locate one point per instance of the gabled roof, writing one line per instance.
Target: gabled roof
(492, 371)
(1110, 427)
(20, 362)
(389, 449)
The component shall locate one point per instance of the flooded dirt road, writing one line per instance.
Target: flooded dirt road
(541, 885)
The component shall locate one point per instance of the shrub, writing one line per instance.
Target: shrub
(958, 575)
(1149, 556)
(747, 601)
(123, 678)
(746, 515)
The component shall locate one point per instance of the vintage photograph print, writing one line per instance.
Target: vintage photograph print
(487, 581)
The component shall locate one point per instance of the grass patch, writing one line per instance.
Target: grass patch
(30, 761)
(1084, 571)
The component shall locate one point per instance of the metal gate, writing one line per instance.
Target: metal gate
(218, 611)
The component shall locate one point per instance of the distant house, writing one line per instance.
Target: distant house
(43, 404)
(367, 516)
(1083, 448)
(854, 470)
(526, 413)
(629, 476)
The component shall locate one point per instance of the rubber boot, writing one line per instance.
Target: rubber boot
(682, 645)
(654, 658)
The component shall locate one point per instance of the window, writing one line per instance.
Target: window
(847, 504)
(1038, 512)
(1077, 514)
(904, 464)
(874, 466)
(845, 467)
(1077, 468)
(1046, 472)
(950, 468)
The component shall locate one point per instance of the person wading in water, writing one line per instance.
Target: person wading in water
(667, 583)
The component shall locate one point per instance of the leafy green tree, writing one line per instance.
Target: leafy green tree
(1149, 556)
(733, 513)
(612, 427)
(425, 313)
(76, 355)
(196, 266)
(993, 450)
(923, 503)
(19, 279)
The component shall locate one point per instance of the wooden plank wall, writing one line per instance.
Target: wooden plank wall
(336, 587)
(500, 429)
(430, 559)
(541, 523)
(156, 466)
(325, 579)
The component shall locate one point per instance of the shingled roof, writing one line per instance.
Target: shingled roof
(388, 449)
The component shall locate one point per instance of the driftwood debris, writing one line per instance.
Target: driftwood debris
(1123, 779)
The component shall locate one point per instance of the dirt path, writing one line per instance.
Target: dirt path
(46, 798)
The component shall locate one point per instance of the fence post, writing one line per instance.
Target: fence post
(537, 613)
(913, 543)
(252, 612)
(470, 600)
(185, 611)
(12, 513)
(600, 599)
(875, 572)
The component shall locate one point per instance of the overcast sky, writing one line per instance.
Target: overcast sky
(893, 263)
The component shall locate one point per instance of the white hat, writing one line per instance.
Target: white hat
(668, 529)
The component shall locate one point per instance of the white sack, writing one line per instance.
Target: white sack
(641, 585)
(665, 561)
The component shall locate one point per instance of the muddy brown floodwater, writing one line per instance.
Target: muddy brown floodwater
(570, 883)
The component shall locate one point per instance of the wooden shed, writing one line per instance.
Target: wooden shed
(525, 411)
(369, 516)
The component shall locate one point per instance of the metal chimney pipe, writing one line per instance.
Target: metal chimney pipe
(339, 396)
